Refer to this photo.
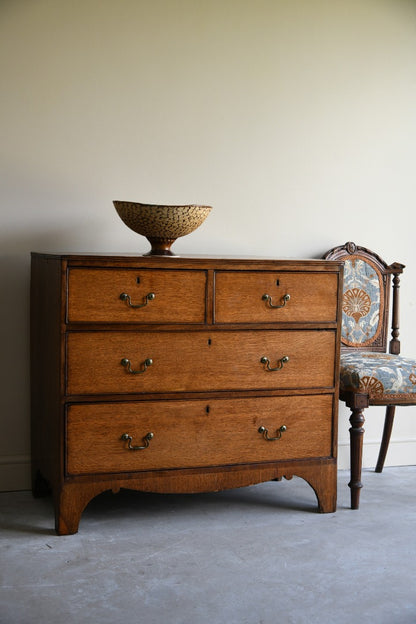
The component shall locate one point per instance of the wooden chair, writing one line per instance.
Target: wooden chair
(369, 375)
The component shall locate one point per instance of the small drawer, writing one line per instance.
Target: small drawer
(174, 361)
(136, 296)
(275, 297)
(195, 433)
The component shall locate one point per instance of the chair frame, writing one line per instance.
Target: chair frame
(359, 401)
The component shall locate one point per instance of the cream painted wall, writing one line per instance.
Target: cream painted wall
(295, 119)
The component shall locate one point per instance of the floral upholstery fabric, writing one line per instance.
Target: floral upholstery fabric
(361, 302)
(381, 375)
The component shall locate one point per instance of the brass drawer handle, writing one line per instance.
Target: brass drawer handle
(127, 364)
(279, 432)
(280, 363)
(149, 297)
(268, 299)
(146, 441)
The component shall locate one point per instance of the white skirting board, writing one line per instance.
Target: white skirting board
(15, 473)
(401, 452)
(15, 470)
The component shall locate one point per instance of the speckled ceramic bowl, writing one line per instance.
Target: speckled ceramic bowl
(161, 225)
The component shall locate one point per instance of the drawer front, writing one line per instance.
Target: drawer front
(251, 297)
(136, 296)
(189, 434)
(173, 361)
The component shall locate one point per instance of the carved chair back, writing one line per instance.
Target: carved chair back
(366, 299)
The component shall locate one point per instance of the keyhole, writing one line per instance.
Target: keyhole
(277, 282)
(207, 409)
(209, 341)
(138, 280)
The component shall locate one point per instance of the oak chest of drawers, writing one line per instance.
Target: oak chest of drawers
(181, 375)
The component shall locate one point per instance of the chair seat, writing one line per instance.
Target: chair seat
(381, 375)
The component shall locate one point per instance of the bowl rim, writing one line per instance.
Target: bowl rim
(119, 201)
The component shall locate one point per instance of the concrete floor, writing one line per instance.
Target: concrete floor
(258, 555)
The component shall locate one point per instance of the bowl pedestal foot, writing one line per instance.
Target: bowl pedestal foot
(160, 246)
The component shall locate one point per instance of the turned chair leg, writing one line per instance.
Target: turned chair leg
(356, 454)
(388, 426)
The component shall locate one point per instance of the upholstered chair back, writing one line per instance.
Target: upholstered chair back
(365, 300)
(365, 304)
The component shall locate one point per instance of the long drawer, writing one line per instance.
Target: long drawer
(275, 297)
(136, 296)
(172, 361)
(196, 433)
